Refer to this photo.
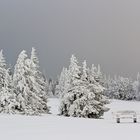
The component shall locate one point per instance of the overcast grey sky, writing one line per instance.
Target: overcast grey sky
(102, 31)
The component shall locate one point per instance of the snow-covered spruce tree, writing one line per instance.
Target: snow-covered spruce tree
(7, 96)
(39, 83)
(63, 82)
(2, 69)
(67, 100)
(29, 96)
(96, 99)
(85, 72)
(21, 84)
(83, 98)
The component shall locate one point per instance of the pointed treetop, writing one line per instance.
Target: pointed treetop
(21, 61)
(73, 58)
(74, 68)
(34, 57)
(93, 68)
(2, 59)
(23, 54)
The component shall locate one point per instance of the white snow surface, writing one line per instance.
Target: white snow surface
(53, 127)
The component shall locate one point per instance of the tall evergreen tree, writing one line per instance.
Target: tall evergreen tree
(21, 84)
(28, 85)
(2, 69)
(38, 82)
(74, 69)
(63, 82)
(7, 97)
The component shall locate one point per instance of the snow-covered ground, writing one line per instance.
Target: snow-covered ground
(52, 127)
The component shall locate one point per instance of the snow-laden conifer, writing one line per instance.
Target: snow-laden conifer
(84, 97)
(7, 97)
(29, 86)
(38, 83)
(63, 82)
(2, 69)
(85, 71)
(21, 84)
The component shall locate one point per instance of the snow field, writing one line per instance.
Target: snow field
(52, 127)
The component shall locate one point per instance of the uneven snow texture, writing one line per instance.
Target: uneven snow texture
(52, 127)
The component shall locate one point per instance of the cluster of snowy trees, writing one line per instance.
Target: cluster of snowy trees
(80, 91)
(52, 88)
(83, 90)
(24, 91)
(122, 88)
(114, 88)
(119, 87)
